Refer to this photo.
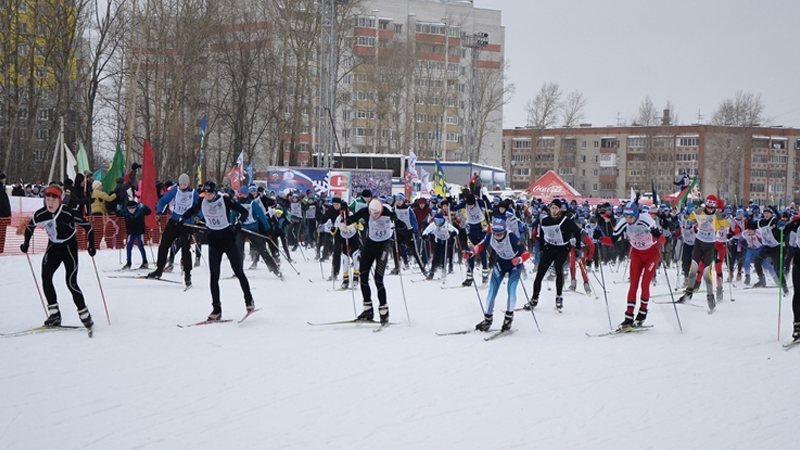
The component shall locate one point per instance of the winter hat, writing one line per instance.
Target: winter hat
(470, 199)
(244, 190)
(399, 197)
(375, 207)
(498, 225)
(556, 202)
(54, 189)
(631, 209)
(132, 204)
(336, 200)
(711, 201)
(97, 185)
(366, 193)
(439, 219)
(183, 179)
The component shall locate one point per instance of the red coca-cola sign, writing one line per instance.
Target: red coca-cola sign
(551, 185)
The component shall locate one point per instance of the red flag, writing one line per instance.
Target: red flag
(235, 175)
(149, 195)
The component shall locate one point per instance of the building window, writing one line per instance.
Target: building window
(777, 173)
(758, 187)
(594, 187)
(569, 143)
(778, 159)
(637, 142)
(42, 134)
(777, 188)
(686, 157)
(609, 143)
(22, 28)
(365, 22)
(594, 174)
(545, 143)
(760, 159)
(398, 28)
(365, 41)
(797, 144)
(596, 144)
(688, 142)
(430, 28)
(522, 143)
(758, 173)
(522, 172)
(22, 49)
(566, 171)
(760, 143)
(608, 160)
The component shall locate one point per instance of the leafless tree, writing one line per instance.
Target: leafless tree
(573, 109)
(493, 91)
(544, 108)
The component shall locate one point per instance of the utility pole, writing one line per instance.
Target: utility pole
(327, 82)
(133, 80)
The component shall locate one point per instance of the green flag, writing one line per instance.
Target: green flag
(115, 170)
(83, 160)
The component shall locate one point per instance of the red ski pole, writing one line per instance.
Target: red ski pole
(30, 264)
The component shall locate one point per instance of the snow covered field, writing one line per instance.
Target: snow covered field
(274, 382)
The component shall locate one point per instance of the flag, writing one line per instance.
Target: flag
(203, 123)
(412, 162)
(71, 162)
(685, 192)
(98, 174)
(83, 159)
(236, 174)
(250, 173)
(115, 170)
(439, 181)
(633, 195)
(655, 193)
(149, 196)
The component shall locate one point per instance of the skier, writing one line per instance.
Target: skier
(511, 256)
(555, 232)
(708, 222)
(380, 228)
(221, 241)
(770, 235)
(134, 226)
(345, 245)
(791, 230)
(255, 222)
(180, 200)
(475, 210)
(59, 223)
(644, 236)
(440, 232)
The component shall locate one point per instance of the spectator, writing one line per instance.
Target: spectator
(29, 191)
(5, 211)
(17, 190)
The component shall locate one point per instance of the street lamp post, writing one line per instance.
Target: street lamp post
(443, 139)
(478, 41)
(375, 81)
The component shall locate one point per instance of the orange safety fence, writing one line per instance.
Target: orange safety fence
(109, 233)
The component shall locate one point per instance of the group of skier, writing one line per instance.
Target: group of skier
(500, 233)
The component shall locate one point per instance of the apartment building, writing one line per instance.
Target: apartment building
(740, 164)
(411, 82)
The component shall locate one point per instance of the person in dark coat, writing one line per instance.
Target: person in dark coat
(5, 211)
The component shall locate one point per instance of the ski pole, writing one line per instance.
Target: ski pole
(674, 305)
(605, 294)
(297, 239)
(526, 296)
(263, 237)
(780, 287)
(102, 295)
(402, 286)
(37, 284)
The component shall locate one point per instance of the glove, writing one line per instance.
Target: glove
(517, 260)
(158, 217)
(597, 234)
(466, 254)
(24, 247)
(136, 166)
(237, 226)
(795, 217)
(655, 232)
(605, 240)
(91, 251)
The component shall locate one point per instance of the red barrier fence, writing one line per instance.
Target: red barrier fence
(109, 233)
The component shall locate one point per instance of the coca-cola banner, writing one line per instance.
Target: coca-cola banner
(551, 185)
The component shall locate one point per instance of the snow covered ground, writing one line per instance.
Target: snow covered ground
(274, 382)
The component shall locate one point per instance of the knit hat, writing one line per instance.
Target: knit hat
(132, 204)
(556, 202)
(55, 190)
(97, 185)
(366, 193)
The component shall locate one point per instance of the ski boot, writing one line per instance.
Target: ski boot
(573, 285)
(796, 332)
(760, 283)
(531, 304)
(253, 266)
(384, 314)
(587, 287)
(54, 319)
(395, 271)
(127, 266)
(249, 304)
(739, 276)
(485, 276)
(197, 262)
(367, 315)
(485, 324)
(747, 279)
(641, 316)
(144, 266)
(687, 296)
(168, 269)
(345, 281)
(355, 277)
(188, 281)
(730, 276)
(507, 320)
(216, 312)
(468, 281)
(626, 324)
(712, 302)
(559, 303)
(86, 318)
(155, 274)
(720, 288)
(429, 275)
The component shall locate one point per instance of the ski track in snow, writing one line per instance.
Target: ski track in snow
(274, 382)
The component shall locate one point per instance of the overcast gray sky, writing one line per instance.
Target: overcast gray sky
(616, 52)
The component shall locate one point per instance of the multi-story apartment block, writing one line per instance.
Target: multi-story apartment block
(740, 164)
(414, 78)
